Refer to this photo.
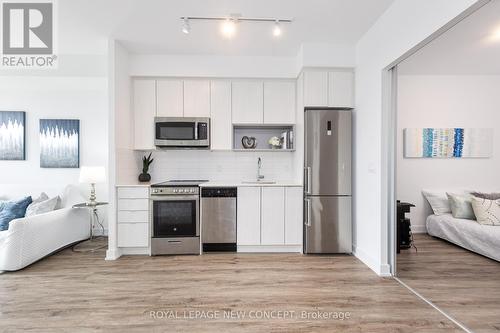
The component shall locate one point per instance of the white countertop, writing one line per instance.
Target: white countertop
(225, 184)
(137, 184)
(241, 184)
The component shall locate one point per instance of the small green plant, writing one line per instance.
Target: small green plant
(146, 162)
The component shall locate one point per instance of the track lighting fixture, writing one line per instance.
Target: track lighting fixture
(229, 23)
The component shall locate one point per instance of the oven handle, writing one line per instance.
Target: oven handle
(196, 130)
(175, 197)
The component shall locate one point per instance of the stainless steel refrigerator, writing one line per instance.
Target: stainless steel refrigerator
(327, 181)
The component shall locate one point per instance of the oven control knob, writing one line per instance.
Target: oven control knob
(175, 190)
(192, 190)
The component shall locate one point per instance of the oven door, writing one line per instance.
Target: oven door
(175, 216)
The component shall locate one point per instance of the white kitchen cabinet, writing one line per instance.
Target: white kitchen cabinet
(293, 215)
(133, 218)
(170, 98)
(133, 235)
(196, 98)
(341, 89)
(144, 108)
(279, 102)
(220, 115)
(316, 88)
(273, 216)
(247, 102)
(248, 216)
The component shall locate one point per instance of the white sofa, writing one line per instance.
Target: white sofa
(32, 238)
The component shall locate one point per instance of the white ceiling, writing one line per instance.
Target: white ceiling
(154, 26)
(469, 48)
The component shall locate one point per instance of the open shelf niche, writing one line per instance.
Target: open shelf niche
(262, 134)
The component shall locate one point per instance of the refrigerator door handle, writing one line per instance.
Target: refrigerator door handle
(307, 179)
(308, 212)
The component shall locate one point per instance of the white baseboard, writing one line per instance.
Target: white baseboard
(419, 229)
(383, 270)
(98, 232)
(135, 251)
(270, 248)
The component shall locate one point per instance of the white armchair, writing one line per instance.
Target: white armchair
(32, 238)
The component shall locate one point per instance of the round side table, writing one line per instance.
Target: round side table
(93, 243)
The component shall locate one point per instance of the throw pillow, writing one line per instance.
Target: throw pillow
(489, 196)
(13, 210)
(43, 196)
(438, 201)
(461, 206)
(42, 207)
(486, 211)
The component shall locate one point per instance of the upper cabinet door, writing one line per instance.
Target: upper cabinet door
(196, 98)
(248, 102)
(144, 104)
(341, 89)
(315, 88)
(220, 114)
(170, 98)
(279, 102)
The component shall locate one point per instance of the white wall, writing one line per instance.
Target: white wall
(442, 102)
(309, 55)
(405, 24)
(83, 98)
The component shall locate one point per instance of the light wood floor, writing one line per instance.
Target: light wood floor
(76, 292)
(462, 283)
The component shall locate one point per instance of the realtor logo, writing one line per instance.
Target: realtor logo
(28, 34)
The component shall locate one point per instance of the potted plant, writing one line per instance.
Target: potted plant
(146, 162)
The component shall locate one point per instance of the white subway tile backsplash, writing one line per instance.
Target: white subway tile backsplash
(218, 165)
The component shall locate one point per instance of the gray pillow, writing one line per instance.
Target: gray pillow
(487, 196)
(461, 206)
(42, 207)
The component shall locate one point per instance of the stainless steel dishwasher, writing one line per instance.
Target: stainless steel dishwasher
(218, 218)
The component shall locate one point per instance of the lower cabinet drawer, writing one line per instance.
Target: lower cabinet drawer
(133, 204)
(133, 234)
(133, 216)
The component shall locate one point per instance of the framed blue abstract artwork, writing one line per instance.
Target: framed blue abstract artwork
(59, 143)
(448, 142)
(12, 135)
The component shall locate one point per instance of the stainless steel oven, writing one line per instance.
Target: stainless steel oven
(182, 132)
(175, 227)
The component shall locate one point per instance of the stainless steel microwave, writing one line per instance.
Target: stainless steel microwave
(182, 132)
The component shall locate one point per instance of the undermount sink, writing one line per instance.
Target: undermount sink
(259, 181)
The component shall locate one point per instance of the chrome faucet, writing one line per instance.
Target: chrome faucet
(259, 167)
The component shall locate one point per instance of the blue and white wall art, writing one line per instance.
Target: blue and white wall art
(448, 142)
(59, 143)
(12, 135)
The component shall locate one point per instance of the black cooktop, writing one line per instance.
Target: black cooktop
(181, 182)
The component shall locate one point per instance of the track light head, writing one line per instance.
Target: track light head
(277, 29)
(228, 27)
(186, 28)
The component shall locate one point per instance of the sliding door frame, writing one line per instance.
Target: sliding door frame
(389, 137)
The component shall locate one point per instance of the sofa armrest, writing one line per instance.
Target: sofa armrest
(32, 238)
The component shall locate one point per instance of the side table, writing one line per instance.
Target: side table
(92, 244)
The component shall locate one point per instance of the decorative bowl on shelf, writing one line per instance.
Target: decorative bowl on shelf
(249, 142)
